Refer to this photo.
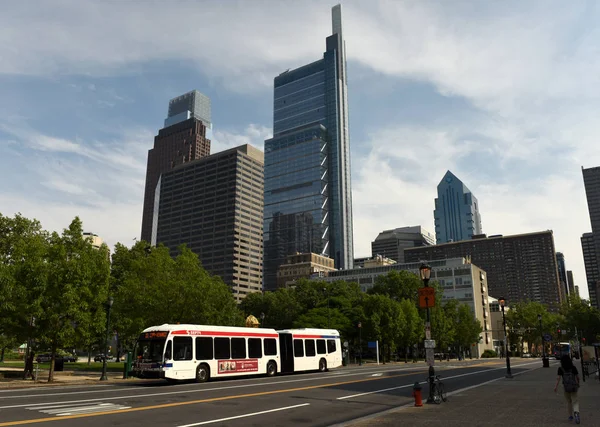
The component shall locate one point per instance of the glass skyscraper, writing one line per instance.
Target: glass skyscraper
(591, 246)
(308, 196)
(456, 211)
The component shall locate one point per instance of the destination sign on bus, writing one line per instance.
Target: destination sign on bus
(155, 334)
(238, 366)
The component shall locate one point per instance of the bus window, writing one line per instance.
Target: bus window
(310, 348)
(330, 346)
(321, 347)
(238, 348)
(168, 351)
(204, 348)
(182, 348)
(222, 350)
(270, 347)
(254, 348)
(298, 348)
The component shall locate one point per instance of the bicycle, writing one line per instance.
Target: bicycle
(438, 390)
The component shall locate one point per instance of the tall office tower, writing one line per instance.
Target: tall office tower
(571, 282)
(520, 267)
(215, 206)
(391, 243)
(308, 198)
(185, 137)
(592, 272)
(456, 211)
(591, 181)
(562, 274)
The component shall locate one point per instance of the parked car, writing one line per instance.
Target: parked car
(43, 358)
(47, 357)
(100, 358)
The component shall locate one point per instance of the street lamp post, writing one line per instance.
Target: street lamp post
(328, 313)
(108, 305)
(262, 320)
(425, 272)
(545, 362)
(502, 301)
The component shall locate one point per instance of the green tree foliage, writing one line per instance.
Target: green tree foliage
(523, 325)
(467, 327)
(151, 288)
(398, 285)
(578, 314)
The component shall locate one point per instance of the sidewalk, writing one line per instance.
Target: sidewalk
(527, 399)
(13, 379)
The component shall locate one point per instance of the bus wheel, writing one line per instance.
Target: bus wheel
(202, 374)
(322, 365)
(271, 369)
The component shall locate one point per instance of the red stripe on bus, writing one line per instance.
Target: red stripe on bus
(308, 336)
(225, 334)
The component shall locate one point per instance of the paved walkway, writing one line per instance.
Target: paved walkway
(527, 399)
(60, 378)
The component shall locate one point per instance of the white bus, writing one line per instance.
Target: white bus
(202, 352)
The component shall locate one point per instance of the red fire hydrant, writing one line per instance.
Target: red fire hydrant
(417, 394)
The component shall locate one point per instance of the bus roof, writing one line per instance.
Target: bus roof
(311, 331)
(208, 328)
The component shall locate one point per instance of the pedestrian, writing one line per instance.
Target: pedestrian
(570, 379)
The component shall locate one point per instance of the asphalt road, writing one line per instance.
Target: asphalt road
(311, 399)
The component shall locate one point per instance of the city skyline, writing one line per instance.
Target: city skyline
(421, 102)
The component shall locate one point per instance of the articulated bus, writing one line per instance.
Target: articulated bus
(562, 348)
(185, 352)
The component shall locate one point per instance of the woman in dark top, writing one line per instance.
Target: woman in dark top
(570, 378)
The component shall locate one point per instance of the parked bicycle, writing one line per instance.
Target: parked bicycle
(438, 391)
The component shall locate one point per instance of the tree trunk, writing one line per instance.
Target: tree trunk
(89, 352)
(2, 355)
(29, 365)
(52, 360)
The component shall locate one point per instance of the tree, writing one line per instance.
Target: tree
(414, 329)
(398, 285)
(579, 315)
(384, 321)
(468, 328)
(523, 325)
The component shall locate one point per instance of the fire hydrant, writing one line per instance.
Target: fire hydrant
(417, 394)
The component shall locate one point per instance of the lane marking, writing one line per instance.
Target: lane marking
(237, 417)
(423, 382)
(61, 410)
(194, 402)
(377, 375)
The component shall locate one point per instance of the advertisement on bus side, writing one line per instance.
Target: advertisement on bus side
(238, 366)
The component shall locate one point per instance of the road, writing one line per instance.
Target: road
(312, 399)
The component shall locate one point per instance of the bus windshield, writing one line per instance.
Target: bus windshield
(150, 347)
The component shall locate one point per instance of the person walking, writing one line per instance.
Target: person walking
(570, 379)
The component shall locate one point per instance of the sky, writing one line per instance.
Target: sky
(503, 94)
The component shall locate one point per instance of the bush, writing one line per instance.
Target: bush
(489, 354)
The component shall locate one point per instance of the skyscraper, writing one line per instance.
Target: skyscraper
(591, 181)
(308, 197)
(571, 283)
(592, 271)
(562, 273)
(215, 206)
(185, 137)
(391, 243)
(456, 211)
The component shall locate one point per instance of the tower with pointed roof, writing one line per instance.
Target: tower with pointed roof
(456, 211)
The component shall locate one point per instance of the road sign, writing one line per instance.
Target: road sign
(429, 343)
(547, 337)
(372, 344)
(345, 344)
(426, 297)
(427, 332)
(429, 356)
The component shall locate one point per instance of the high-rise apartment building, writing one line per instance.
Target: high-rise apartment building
(215, 206)
(520, 267)
(592, 272)
(308, 197)
(591, 181)
(185, 137)
(571, 282)
(456, 211)
(391, 243)
(562, 273)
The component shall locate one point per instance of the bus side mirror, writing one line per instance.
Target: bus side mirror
(168, 352)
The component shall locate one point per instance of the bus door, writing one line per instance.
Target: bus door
(286, 353)
(184, 364)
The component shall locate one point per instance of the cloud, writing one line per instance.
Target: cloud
(253, 134)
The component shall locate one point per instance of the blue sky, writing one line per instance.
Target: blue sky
(505, 95)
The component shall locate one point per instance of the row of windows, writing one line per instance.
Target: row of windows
(208, 348)
(306, 347)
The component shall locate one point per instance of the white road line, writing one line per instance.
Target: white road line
(244, 416)
(425, 382)
(62, 410)
(168, 393)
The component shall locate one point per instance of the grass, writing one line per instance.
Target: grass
(75, 367)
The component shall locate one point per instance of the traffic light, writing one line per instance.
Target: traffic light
(558, 331)
(583, 339)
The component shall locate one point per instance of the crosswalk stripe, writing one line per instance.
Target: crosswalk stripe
(82, 408)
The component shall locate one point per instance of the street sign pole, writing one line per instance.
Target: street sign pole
(377, 350)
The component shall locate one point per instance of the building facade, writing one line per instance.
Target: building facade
(570, 282)
(459, 279)
(215, 206)
(185, 137)
(592, 272)
(456, 211)
(520, 267)
(591, 181)
(375, 261)
(305, 266)
(95, 241)
(391, 243)
(308, 197)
